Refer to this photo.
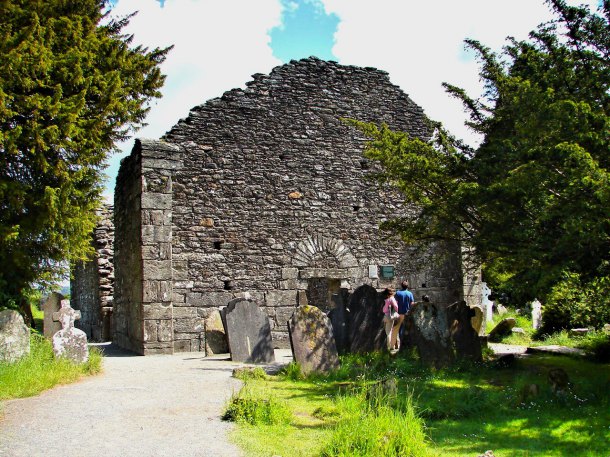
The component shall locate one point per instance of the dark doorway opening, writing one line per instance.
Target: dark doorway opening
(320, 292)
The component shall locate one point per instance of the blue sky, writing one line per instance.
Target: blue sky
(219, 44)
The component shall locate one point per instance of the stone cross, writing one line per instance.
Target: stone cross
(69, 342)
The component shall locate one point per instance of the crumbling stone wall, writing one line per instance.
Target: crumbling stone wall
(262, 194)
(92, 286)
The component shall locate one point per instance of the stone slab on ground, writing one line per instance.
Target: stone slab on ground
(153, 406)
(554, 349)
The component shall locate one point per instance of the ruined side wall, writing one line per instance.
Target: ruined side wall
(128, 324)
(92, 286)
(274, 194)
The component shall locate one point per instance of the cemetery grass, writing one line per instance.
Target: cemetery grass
(40, 370)
(463, 410)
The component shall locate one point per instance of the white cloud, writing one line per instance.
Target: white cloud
(218, 45)
(421, 44)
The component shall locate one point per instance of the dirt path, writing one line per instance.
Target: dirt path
(140, 406)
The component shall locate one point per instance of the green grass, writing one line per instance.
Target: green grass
(459, 411)
(40, 370)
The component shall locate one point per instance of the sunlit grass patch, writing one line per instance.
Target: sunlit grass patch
(40, 370)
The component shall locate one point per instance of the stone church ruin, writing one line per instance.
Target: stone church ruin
(263, 195)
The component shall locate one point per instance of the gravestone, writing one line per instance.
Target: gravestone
(248, 332)
(338, 318)
(504, 328)
(477, 320)
(214, 332)
(464, 337)
(536, 314)
(50, 306)
(14, 336)
(428, 325)
(69, 342)
(365, 320)
(312, 341)
(487, 304)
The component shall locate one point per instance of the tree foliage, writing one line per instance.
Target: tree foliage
(71, 85)
(534, 199)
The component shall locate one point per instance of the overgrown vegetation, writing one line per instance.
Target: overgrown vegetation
(376, 405)
(40, 370)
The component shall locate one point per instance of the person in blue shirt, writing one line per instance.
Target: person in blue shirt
(404, 298)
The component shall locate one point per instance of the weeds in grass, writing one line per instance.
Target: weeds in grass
(292, 372)
(40, 370)
(250, 408)
(374, 422)
(246, 374)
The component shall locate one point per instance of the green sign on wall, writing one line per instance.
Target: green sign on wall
(387, 272)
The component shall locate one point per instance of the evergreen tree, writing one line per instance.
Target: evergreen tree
(71, 85)
(534, 199)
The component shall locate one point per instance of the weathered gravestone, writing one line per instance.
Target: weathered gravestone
(504, 328)
(14, 336)
(365, 320)
(312, 341)
(338, 318)
(536, 314)
(428, 327)
(465, 338)
(69, 342)
(477, 320)
(51, 305)
(214, 332)
(248, 332)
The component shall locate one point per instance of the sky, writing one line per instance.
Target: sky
(219, 44)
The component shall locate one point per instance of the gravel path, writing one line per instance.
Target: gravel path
(138, 407)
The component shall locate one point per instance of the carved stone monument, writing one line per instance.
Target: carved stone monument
(248, 332)
(312, 341)
(477, 320)
(465, 338)
(69, 342)
(536, 314)
(51, 305)
(14, 336)
(365, 320)
(428, 325)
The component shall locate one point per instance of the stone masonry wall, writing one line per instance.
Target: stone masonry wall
(264, 194)
(92, 286)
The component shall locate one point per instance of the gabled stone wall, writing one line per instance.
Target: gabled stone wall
(264, 194)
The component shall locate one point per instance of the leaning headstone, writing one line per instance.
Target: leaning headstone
(428, 325)
(14, 336)
(248, 332)
(50, 306)
(464, 337)
(477, 320)
(365, 320)
(504, 328)
(536, 314)
(214, 333)
(69, 342)
(312, 341)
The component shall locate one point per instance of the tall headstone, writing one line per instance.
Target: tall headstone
(214, 332)
(365, 320)
(536, 314)
(428, 325)
(312, 341)
(338, 319)
(465, 338)
(477, 320)
(14, 336)
(51, 305)
(69, 342)
(248, 332)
